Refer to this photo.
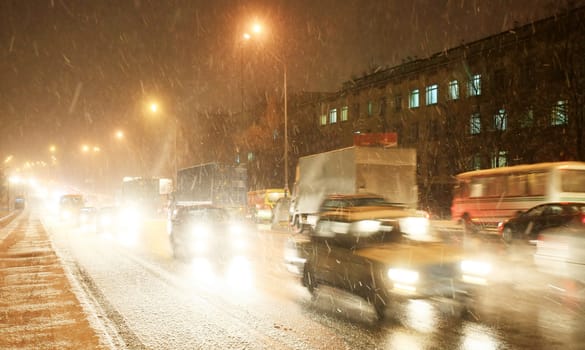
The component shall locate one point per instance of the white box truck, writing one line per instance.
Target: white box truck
(389, 172)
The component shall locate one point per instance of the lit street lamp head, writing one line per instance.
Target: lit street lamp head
(154, 107)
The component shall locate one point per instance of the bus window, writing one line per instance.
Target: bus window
(495, 186)
(537, 184)
(516, 185)
(572, 180)
(476, 188)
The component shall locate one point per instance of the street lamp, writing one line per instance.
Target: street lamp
(154, 109)
(257, 28)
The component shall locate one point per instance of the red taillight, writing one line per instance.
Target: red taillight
(500, 227)
(583, 219)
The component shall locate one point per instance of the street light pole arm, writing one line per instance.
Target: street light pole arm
(286, 189)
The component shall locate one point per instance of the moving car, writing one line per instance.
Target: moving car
(527, 225)
(19, 202)
(70, 208)
(560, 251)
(205, 231)
(382, 251)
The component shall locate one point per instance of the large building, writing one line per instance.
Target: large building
(512, 98)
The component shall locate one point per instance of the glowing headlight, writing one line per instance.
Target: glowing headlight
(414, 225)
(106, 220)
(131, 215)
(478, 268)
(366, 226)
(403, 276)
(236, 229)
(201, 230)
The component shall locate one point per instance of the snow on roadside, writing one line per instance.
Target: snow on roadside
(39, 308)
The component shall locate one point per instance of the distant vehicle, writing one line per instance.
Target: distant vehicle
(382, 251)
(87, 218)
(70, 207)
(261, 203)
(146, 195)
(560, 252)
(389, 172)
(19, 202)
(206, 231)
(218, 184)
(527, 225)
(484, 198)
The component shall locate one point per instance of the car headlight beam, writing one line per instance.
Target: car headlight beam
(477, 268)
(404, 276)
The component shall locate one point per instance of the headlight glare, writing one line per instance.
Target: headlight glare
(366, 226)
(478, 268)
(403, 276)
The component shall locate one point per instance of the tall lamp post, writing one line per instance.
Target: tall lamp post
(154, 108)
(257, 28)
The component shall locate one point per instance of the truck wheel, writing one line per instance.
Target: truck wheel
(297, 226)
(379, 307)
(309, 280)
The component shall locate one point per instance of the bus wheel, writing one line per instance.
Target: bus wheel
(468, 226)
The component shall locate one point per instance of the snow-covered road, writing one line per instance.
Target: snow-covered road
(103, 292)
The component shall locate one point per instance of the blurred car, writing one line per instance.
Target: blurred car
(19, 202)
(560, 251)
(87, 218)
(527, 225)
(382, 251)
(206, 231)
(70, 207)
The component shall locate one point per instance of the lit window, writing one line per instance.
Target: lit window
(559, 114)
(413, 99)
(432, 94)
(370, 108)
(454, 90)
(323, 119)
(333, 116)
(501, 120)
(250, 156)
(475, 124)
(344, 113)
(474, 85)
(500, 159)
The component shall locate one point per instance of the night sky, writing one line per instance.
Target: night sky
(72, 71)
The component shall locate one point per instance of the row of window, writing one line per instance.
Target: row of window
(432, 92)
(559, 116)
(432, 98)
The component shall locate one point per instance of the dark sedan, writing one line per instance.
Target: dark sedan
(383, 251)
(527, 225)
(206, 231)
(560, 251)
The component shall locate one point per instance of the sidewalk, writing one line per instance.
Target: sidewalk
(38, 306)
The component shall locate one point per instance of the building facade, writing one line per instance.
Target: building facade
(512, 98)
